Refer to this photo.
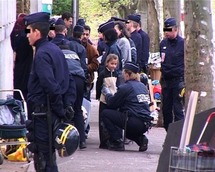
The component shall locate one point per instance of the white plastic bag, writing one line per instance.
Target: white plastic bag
(5, 115)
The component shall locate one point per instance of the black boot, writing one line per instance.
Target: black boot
(116, 145)
(143, 143)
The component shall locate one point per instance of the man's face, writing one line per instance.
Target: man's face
(85, 36)
(32, 35)
(129, 24)
(170, 32)
(68, 23)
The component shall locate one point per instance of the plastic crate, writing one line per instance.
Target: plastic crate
(181, 161)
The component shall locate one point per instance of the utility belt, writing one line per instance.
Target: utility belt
(40, 111)
(174, 79)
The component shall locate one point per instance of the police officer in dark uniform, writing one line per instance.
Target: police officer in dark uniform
(172, 69)
(145, 46)
(131, 25)
(128, 110)
(49, 77)
(76, 46)
(77, 73)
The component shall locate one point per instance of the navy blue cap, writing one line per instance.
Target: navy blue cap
(106, 26)
(60, 22)
(118, 19)
(132, 67)
(78, 28)
(37, 17)
(170, 22)
(134, 17)
(81, 22)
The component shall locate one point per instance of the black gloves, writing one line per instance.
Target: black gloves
(69, 113)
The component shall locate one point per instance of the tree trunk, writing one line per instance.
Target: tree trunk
(172, 8)
(199, 63)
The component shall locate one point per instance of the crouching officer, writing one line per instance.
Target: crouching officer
(132, 100)
(49, 77)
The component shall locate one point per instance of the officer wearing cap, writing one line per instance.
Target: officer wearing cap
(76, 46)
(131, 25)
(145, 46)
(128, 110)
(172, 69)
(49, 77)
(110, 38)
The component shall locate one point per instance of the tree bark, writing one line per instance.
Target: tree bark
(199, 63)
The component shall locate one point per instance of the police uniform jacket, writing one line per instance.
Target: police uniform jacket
(76, 46)
(73, 63)
(49, 75)
(135, 36)
(60, 39)
(145, 47)
(131, 97)
(172, 62)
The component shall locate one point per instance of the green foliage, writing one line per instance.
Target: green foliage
(61, 6)
(95, 12)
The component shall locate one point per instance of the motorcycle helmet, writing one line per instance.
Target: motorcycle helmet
(66, 139)
(144, 79)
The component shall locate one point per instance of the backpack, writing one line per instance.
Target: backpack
(133, 51)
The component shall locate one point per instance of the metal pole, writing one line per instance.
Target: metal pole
(74, 12)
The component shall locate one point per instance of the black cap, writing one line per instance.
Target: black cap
(37, 17)
(132, 67)
(170, 22)
(134, 17)
(106, 26)
(81, 22)
(78, 28)
(118, 19)
(60, 22)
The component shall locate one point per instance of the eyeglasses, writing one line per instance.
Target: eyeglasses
(87, 34)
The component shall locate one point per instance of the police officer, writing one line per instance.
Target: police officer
(131, 25)
(145, 46)
(49, 77)
(172, 69)
(128, 109)
(76, 46)
(77, 73)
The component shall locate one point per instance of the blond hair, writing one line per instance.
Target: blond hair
(132, 75)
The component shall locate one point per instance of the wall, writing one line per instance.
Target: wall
(7, 19)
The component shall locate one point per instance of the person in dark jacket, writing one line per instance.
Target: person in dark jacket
(172, 73)
(23, 57)
(145, 46)
(128, 109)
(77, 73)
(109, 78)
(49, 80)
(132, 24)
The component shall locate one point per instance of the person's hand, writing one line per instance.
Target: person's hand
(69, 113)
(105, 90)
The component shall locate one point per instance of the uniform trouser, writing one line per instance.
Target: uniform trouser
(172, 103)
(78, 117)
(115, 120)
(41, 139)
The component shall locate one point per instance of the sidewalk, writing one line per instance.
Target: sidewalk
(93, 159)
